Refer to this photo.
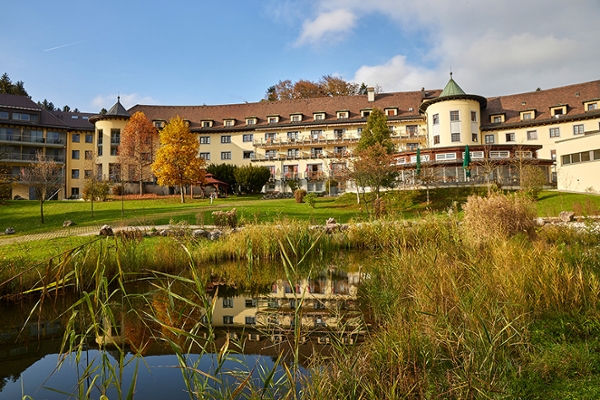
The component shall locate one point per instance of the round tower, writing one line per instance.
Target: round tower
(453, 118)
(108, 129)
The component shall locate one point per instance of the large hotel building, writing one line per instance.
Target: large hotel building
(312, 140)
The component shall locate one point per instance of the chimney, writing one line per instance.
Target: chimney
(371, 93)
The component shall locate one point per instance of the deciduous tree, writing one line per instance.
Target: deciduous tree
(375, 168)
(177, 162)
(139, 142)
(376, 132)
(45, 178)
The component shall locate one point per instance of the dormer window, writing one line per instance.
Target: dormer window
(207, 123)
(556, 111)
(320, 116)
(273, 119)
(296, 117)
(187, 122)
(497, 118)
(590, 105)
(158, 124)
(251, 121)
(342, 114)
(390, 112)
(527, 115)
(365, 113)
(229, 122)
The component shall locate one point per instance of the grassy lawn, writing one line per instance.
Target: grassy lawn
(24, 216)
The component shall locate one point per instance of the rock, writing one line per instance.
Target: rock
(9, 231)
(164, 232)
(215, 235)
(69, 223)
(17, 197)
(200, 233)
(106, 230)
(331, 221)
(566, 216)
(540, 221)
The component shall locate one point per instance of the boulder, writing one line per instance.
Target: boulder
(215, 235)
(200, 233)
(69, 223)
(566, 216)
(540, 221)
(106, 230)
(9, 231)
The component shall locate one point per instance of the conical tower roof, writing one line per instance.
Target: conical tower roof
(453, 92)
(452, 88)
(116, 111)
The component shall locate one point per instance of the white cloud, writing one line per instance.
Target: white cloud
(493, 48)
(127, 100)
(330, 25)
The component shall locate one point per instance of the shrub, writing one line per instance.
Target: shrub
(118, 190)
(299, 195)
(532, 181)
(97, 189)
(223, 219)
(311, 199)
(497, 215)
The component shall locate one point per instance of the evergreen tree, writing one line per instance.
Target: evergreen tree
(376, 132)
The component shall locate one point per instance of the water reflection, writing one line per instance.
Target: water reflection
(309, 314)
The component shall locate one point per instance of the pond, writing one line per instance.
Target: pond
(163, 338)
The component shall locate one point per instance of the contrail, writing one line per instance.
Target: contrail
(65, 45)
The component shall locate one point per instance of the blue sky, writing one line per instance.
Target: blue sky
(186, 52)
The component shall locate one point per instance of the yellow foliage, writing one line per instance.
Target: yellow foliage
(177, 162)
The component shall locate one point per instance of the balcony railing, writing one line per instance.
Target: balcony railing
(29, 157)
(314, 175)
(283, 142)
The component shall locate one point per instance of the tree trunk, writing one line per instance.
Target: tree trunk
(141, 187)
(42, 209)
(182, 193)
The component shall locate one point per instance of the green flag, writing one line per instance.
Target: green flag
(418, 161)
(467, 161)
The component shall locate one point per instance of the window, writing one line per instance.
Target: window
(53, 137)
(99, 151)
(226, 139)
(445, 156)
(316, 134)
(489, 139)
(75, 192)
(293, 153)
(204, 139)
(500, 154)
(88, 154)
(293, 136)
(76, 138)
(250, 320)
(554, 132)
(454, 116)
(271, 154)
(592, 106)
(248, 137)
(158, 124)
(510, 137)
(412, 146)
(532, 135)
(455, 137)
(412, 130)
(227, 319)
(390, 112)
(436, 139)
(436, 119)
(75, 154)
(359, 132)
(473, 116)
(250, 303)
(474, 137)
(74, 174)
(229, 122)
(365, 113)
(114, 150)
(250, 121)
(3, 115)
(496, 119)
(24, 117)
(553, 154)
(526, 115)
(89, 138)
(273, 120)
(206, 124)
(228, 302)
(578, 129)
(115, 136)
(99, 137)
(248, 155)
(225, 155)
(523, 154)
(338, 133)
(205, 156)
(558, 111)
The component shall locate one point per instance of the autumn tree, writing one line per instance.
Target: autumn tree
(327, 86)
(45, 178)
(375, 168)
(177, 162)
(139, 142)
(252, 178)
(376, 132)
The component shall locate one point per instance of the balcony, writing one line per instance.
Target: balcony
(275, 143)
(287, 176)
(18, 157)
(315, 175)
